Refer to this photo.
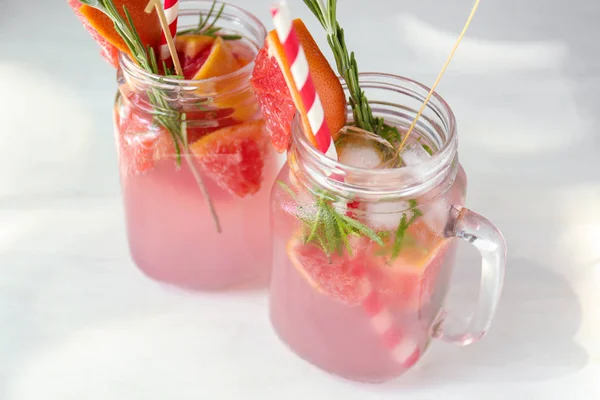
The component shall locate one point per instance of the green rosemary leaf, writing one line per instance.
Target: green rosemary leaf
(211, 31)
(230, 37)
(344, 234)
(316, 223)
(125, 38)
(325, 196)
(202, 21)
(136, 38)
(316, 10)
(416, 214)
(330, 230)
(217, 17)
(152, 57)
(323, 245)
(402, 227)
(286, 188)
(427, 149)
(399, 239)
(389, 133)
(94, 3)
(365, 230)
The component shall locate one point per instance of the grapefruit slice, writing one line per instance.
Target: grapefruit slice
(103, 31)
(109, 52)
(339, 276)
(191, 45)
(140, 143)
(233, 92)
(206, 57)
(220, 61)
(234, 157)
(409, 280)
(278, 96)
(202, 122)
(193, 51)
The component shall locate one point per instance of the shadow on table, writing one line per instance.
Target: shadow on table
(531, 338)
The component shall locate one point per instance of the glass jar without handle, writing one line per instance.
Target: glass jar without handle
(196, 166)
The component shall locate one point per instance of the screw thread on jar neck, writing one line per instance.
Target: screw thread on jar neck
(397, 100)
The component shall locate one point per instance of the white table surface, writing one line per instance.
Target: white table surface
(78, 321)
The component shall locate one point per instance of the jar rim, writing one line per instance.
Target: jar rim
(397, 182)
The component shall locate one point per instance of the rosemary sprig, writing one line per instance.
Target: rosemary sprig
(163, 112)
(326, 228)
(403, 227)
(207, 28)
(348, 69)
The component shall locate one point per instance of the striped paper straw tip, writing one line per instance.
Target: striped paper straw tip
(171, 8)
(294, 53)
(403, 349)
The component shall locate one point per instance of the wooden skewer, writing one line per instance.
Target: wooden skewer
(462, 34)
(200, 181)
(156, 5)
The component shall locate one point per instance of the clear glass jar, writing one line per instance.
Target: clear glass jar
(365, 307)
(168, 193)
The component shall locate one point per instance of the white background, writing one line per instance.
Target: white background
(78, 321)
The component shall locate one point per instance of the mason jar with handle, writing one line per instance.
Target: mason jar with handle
(362, 258)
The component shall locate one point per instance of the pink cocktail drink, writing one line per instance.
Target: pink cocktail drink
(171, 233)
(195, 161)
(363, 256)
(364, 315)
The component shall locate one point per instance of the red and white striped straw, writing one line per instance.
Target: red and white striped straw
(303, 80)
(403, 349)
(171, 8)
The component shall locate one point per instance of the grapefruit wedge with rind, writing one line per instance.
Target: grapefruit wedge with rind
(338, 276)
(103, 31)
(205, 57)
(192, 45)
(140, 143)
(193, 51)
(409, 280)
(279, 97)
(406, 283)
(234, 157)
(109, 52)
(220, 61)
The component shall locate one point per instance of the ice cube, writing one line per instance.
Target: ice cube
(362, 149)
(414, 154)
(386, 215)
(436, 213)
(361, 155)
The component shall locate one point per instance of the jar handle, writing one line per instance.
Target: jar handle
(481, 233)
